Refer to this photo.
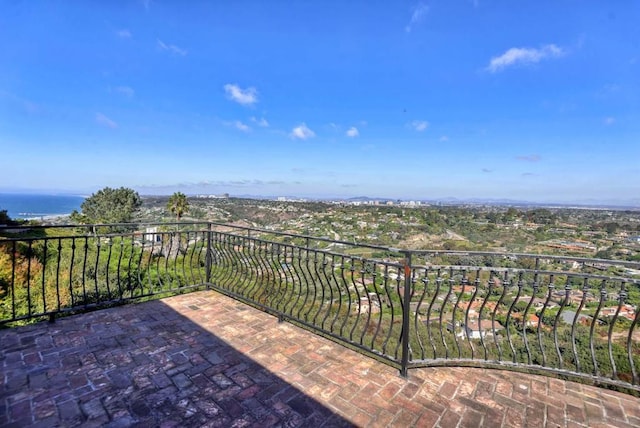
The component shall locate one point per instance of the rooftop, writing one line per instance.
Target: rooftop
(204, 359)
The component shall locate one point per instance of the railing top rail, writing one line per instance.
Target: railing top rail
(207, 224)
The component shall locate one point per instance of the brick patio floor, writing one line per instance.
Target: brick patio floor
(202, 359)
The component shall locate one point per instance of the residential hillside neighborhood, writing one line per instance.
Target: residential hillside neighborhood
(598, 233)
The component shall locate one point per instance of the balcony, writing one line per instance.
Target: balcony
(479, 332)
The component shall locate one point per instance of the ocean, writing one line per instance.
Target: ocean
(23, 206)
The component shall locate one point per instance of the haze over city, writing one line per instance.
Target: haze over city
(535, 101)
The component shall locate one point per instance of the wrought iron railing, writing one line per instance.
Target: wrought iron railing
(574, 317)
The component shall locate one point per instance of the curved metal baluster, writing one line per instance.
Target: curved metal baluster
(567, 288)
(366, 294)
(227, 269)
(621, 298)
(634, 373)
(265, 285)
(71, 264)
(183, 276)
(201, 263)
(307, 283)
(59, 258)
(525, 316)
(429, 309)
(255, 285)
(140, 282)
(13, 280)
(318, 281)
(453, 327)
(585, 288)
(166, 254)
(110, 244)
(217, 262)
(179, 275)
(348, 295)
(482, 306)
(508, 321)
(338, 281)
(300, 282)
(280, 270)
(353, 283)
(119, 276)
(387, 289)
(325, 263)
(274, 268)
(273, 274)
(411, 294)
(149, 261)
(465, 331)
(158, 257)
(29, 257)
(290, 287)
(84, 271)
(171, 272)
(594, 321)
(242, 257)
(188, 255)
(44, 270)
(399, 280)
(466, 317)
(221, 263)
(425, 283)
(505, 286)
(260, 289)
(375, 289)
(235, 274)
(550, 289)
(95, 270)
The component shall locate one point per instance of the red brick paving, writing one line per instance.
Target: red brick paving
(202, 359)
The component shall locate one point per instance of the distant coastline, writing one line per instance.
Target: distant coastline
(39, 207)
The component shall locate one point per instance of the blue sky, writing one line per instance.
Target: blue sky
(527, 100)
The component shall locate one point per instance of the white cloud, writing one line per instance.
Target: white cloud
(260, 122)
(609, 120)
(241, 126)
(171, 48)
(235, 93)
(419, 125)
(125, 90)
(352, 132)
(105, 121)
(146, 4)
(518, 56)
(302, 132)
(419, 12)
(123, 34)
(444, 138)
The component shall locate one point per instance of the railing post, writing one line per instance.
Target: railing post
(209, 256)
(406, 311)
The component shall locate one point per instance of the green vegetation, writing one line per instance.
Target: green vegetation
(108, 206)
(178, 204)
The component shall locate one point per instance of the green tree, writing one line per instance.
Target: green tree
(4, 217)
(109, 206)
(178, 204)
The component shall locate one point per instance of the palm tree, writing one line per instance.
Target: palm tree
(178, 204)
